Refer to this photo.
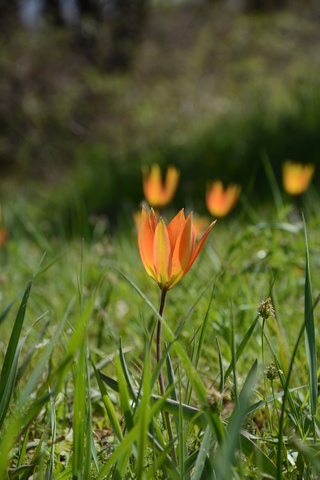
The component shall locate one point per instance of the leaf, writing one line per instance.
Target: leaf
(310, 335)
(202, 454)
(225, 457)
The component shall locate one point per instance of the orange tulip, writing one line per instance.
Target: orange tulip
(221, 201)
(167, 253)
(157, 193)
(4, 232)
(296, 177)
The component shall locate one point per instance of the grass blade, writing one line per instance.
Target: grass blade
(202, 455)
(226, 455)
(310, 335)
(14, 339)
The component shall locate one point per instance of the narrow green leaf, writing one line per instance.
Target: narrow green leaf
(143, 413)
(172, 383)
(14, 339)
(44, 357)
(203, 330)
(202, 454)
(225, 457)
(272, 180)
(124, 395)
(7, 310)
(310, 335)
(125, 369)
(23, 450)
(222, 380)
(50, 467)
(241, 347)
(79, 414)
(107, 402)
(89, 436)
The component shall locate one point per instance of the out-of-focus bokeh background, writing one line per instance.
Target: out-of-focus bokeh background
(92, 89)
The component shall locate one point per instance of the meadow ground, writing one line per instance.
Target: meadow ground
(242, 398)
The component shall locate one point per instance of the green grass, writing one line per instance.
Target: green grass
(79, 396)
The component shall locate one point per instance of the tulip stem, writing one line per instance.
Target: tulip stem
(161, 381)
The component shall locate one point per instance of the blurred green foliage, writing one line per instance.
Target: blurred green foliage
(211, 91)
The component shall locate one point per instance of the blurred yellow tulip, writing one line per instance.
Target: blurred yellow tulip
(296, 177)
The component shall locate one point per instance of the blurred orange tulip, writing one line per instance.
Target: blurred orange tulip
(4, 232)
(296, 177)
(167, 253)
(221, 201)
(157, 193)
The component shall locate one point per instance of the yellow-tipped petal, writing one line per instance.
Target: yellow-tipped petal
(182, 252)
(162, 254)
(153, 220)
(199, 246)
(146, 240)
(175, 227)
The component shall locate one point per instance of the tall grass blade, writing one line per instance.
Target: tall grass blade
(124, 395)
(14, 339)
(310, 335)
(272, 180)
(7, 310)
(143, 414)
(226, 456)
(202, 455)
(241, 347)
(89, 437)
(222, 378)
(79, 413)
(50, 467)
(107, 402)
(44, 358)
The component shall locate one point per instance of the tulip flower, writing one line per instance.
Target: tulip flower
(296, 177)
(168, 252)
(157, 193)
(221, 201)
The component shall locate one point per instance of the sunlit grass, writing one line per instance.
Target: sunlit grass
(226, 367)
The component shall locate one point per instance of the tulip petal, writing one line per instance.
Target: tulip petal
(162, 254)
(153, 220)
(152, 184)
(183, 251)
(175, 227)
(146, 240)
(171, 183)
(199, 246)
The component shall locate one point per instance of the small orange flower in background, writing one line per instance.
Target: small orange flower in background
(220, 201)
(296, 177)
(167, 252)
(4, 232)
(157, 193)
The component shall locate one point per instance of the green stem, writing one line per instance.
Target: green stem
(162, 300)
(161, 381)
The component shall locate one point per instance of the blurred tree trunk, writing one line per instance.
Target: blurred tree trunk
(8, 11)
(127, 30)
